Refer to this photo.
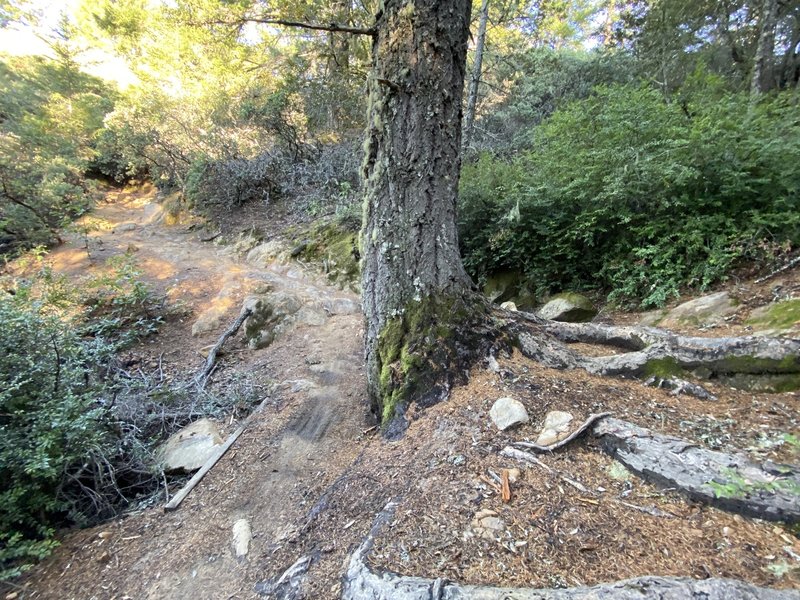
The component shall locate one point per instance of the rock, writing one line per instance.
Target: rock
(513, 475)
(492, 364)
(300, 385)
(507, 412)
(271, 315)
(703, 311)
(264, 254)
(299, 249)
(556, 428)
(123, 227)
(777, 317)
(191, 447)
(131, 249)
(568, 307)
(502, 286)
(487, 525)
(652, 318)
(241, 538)
(309, 315)
(509, 306)
(342, 306)
(205, 350)
(210, 320)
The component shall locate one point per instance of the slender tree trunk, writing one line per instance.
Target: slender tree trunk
(475, 80)
(415, 289)
(766, 48)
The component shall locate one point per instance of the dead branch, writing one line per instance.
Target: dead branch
(202, 378)
(788, 265)
(510, 452)
(575, 434)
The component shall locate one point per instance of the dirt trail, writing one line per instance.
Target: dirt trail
(309, 432)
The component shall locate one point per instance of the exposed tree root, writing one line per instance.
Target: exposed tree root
(727, 481)
(653, 351)
(575, 434)
(360, 583)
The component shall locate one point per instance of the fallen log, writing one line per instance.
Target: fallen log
(360, 583)
(728, 481)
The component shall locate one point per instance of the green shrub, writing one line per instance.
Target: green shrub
(52, 419)
(638, 197)
(66, 456)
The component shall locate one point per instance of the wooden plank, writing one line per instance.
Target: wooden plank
(180, 496)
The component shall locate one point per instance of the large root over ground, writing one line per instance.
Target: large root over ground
(361, 583)
(651, 351)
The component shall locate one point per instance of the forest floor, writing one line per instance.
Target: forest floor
(310, 472)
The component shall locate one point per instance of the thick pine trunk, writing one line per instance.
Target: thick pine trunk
(414, 284)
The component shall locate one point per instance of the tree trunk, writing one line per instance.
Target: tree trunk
(417, 297)
(765, 50)
(475, 80)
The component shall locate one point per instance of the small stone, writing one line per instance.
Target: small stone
(556, 428)
(458, 460)
(122, 227)
(507, 412)
(493, 365)
(514, 475)
(509, 306)
(241, 538)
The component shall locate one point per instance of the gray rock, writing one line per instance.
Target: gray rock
(191, 447)
(507, 412)
(123, 227)
(703, 311)
(568, 307)
(556, 428)
(342, 306)
(508, 305)
(652, 317)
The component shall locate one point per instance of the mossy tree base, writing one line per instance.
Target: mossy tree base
(424, 350)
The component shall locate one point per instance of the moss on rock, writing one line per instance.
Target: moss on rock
(781, 315)
(335, 249)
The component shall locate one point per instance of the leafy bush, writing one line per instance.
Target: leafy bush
(52, 421)
(638, 197)
(66, 456)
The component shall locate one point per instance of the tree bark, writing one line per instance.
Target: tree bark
(475, 80)
(416, 294)
(765, 50)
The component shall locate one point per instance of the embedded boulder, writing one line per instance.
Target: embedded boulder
(704, 311)
(568, 307)
(270, 315)
(190, 448)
